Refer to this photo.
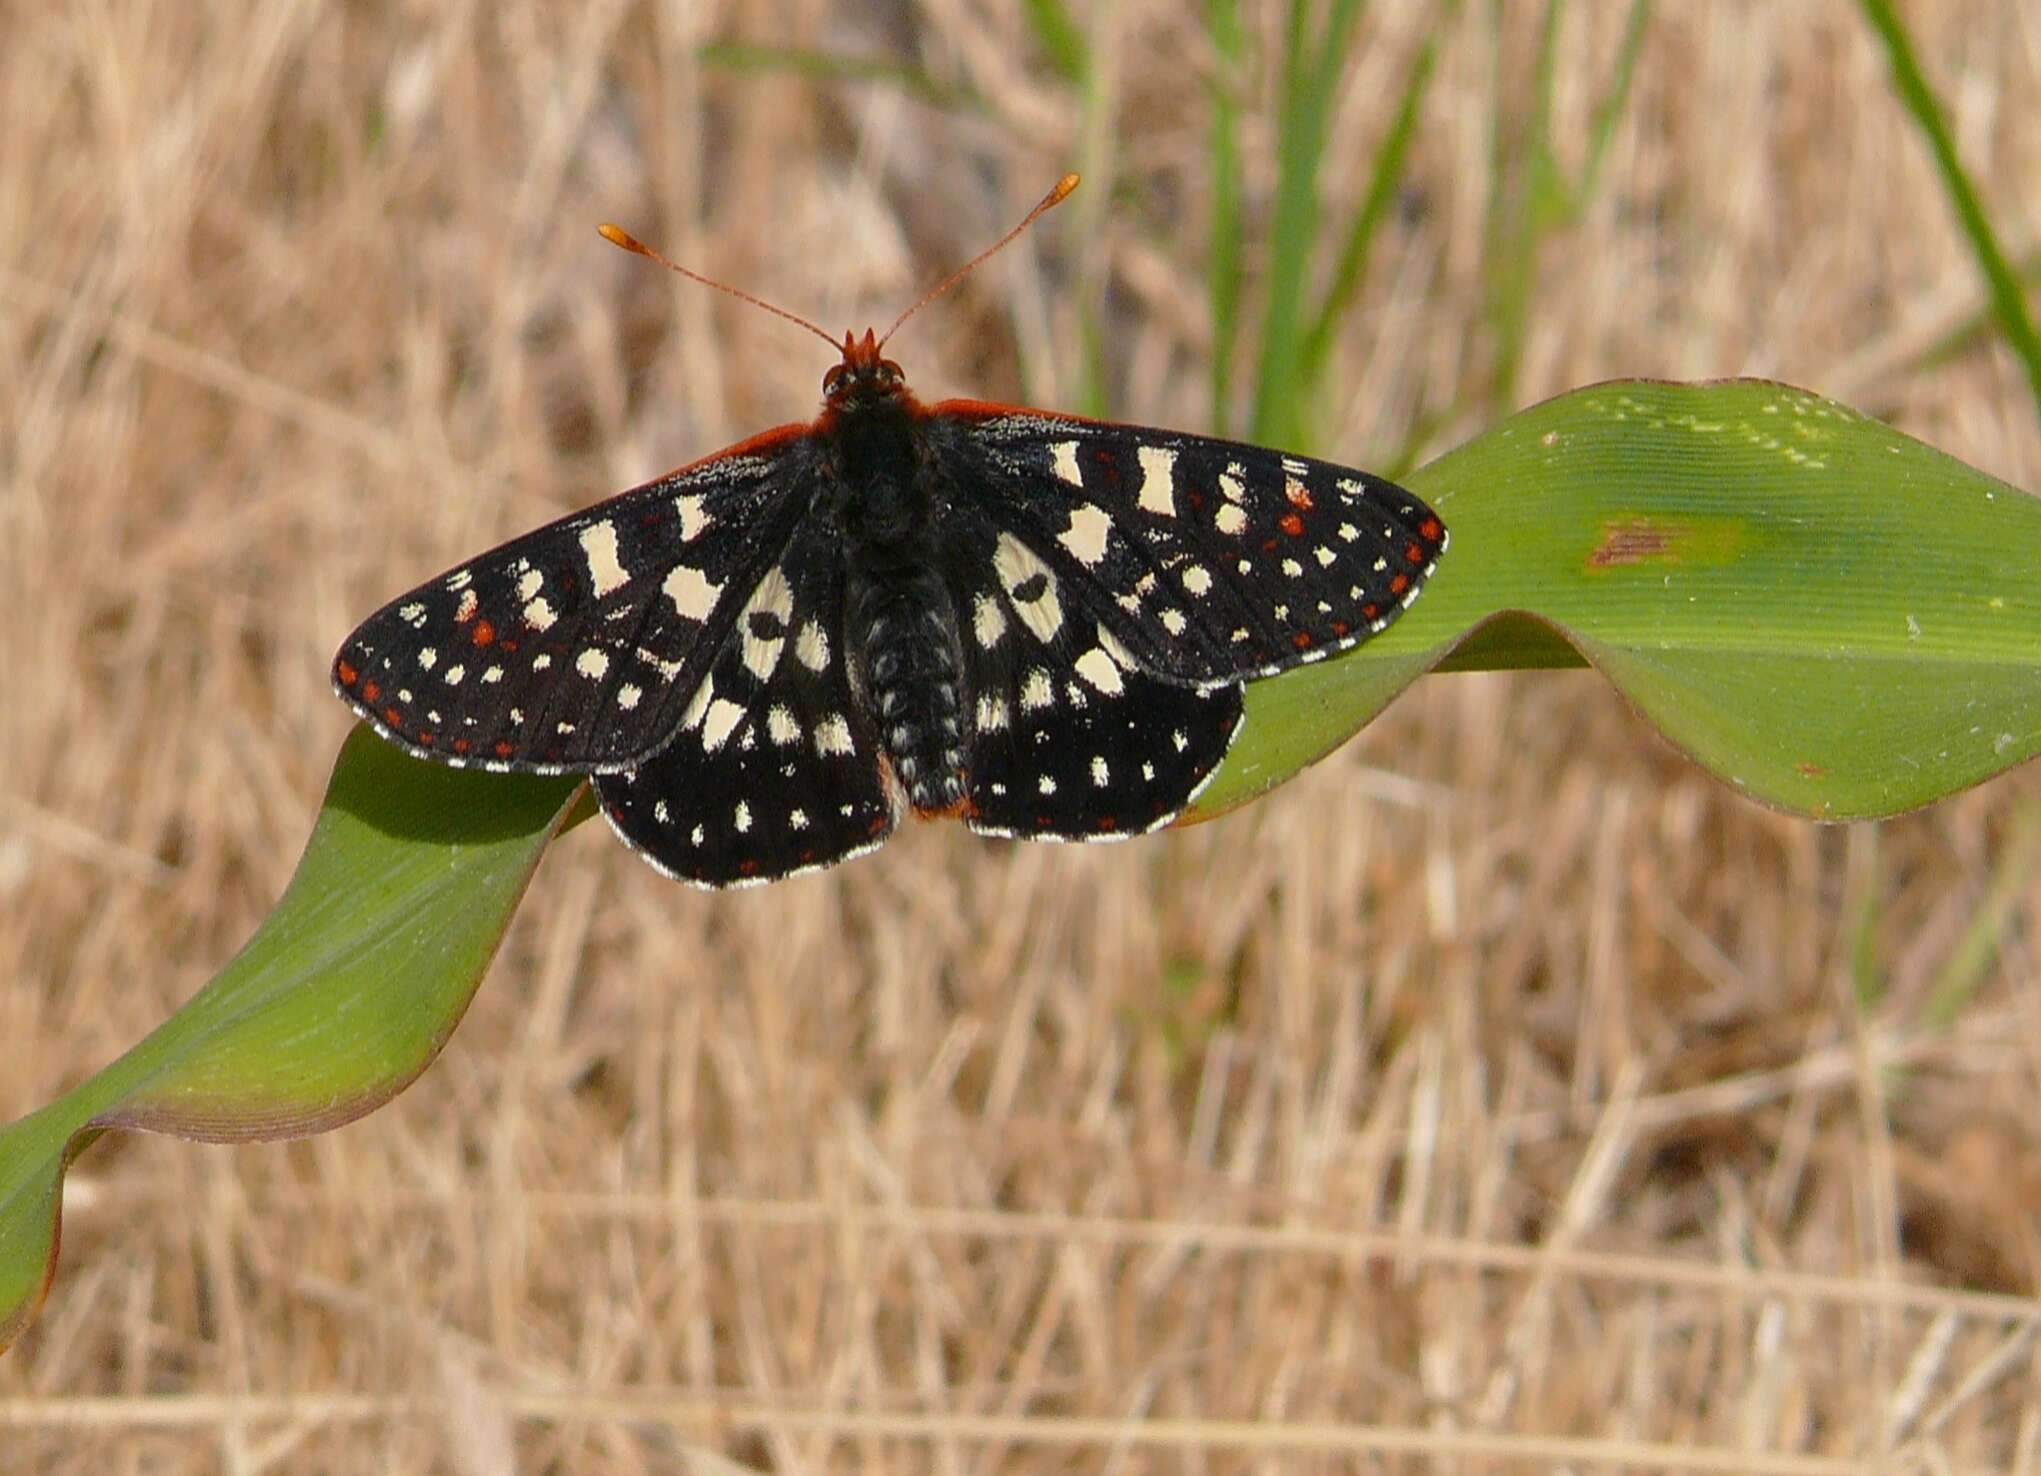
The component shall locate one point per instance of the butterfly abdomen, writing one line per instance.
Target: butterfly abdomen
(901, 628)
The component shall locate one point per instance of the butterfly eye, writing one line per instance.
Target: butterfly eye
(891, 373)
(833, 379)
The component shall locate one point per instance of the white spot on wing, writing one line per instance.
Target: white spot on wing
(1230, 520)
(1037, 692)
(1101, 776)
(723, 718)
(629, 696)
(772, 597)
(670, 670)
(992, 714)
(692, 593)
(698, 704)
(694, 518)
(832, 737)
(988, 621)
(742, 818)
(1158, 472)
(538, 614)
(427, 657)
(781, 727)
(592, 664)
(812, 646)
(1046, 785)
(1100, 670)
(605, 566)
(530, 583)
(1018, 567)
(1198, 579)
(1086, 536)
(1063, 457)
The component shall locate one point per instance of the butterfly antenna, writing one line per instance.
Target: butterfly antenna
(1055, 197)
(618, 236)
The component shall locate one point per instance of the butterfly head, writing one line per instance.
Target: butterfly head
(863, 377)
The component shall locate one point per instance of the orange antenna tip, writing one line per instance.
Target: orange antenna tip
(616, 235)
(1055, 196)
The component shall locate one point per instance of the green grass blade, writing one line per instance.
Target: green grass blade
(1603, 127)
(1834, 618)
(2008, 300)
(1223, 268)
(1060, 37)
(344, 994)
(1312, 67)
(1392, 161)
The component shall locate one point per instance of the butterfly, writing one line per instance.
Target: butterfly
(1036, 623)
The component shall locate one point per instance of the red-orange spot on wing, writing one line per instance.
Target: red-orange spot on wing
(1291, 524)
(393, 717)
(1430, 530)
(1399, 584)
(505, 748)
(347, 674)
(1414, 554)
(370, 691)
(1299, 495)
(462, 745)
(1369, 612)
(484, 633)
(425, 740)
(1301, 640)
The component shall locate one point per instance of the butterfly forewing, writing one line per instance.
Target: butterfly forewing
(578, 645)
(1211, 561)
(775, 769)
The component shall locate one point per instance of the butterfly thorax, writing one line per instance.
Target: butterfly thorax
(899, 619)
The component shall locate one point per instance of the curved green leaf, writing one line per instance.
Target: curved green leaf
(1838, 619)
(345, 993)
(1832, 616)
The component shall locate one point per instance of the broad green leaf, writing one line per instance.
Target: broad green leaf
(1834, 617)
(345, 993)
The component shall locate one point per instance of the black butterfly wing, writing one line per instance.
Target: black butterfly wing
(775, 769)
(1210, 561)
(1069, 739)
(578, 645)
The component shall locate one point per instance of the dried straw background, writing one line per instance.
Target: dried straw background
(1490, 1098)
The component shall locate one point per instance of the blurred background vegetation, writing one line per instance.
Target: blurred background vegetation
(1503, 1087)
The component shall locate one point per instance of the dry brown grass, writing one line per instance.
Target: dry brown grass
(1490, 1098)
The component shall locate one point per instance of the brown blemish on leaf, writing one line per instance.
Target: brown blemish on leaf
(1632, 542)
(1626, 542)
(1809, 769)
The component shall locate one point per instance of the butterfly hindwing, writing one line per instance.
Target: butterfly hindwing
(1069, 737)
(1211, 561)
(577, 645)
(774, 770)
